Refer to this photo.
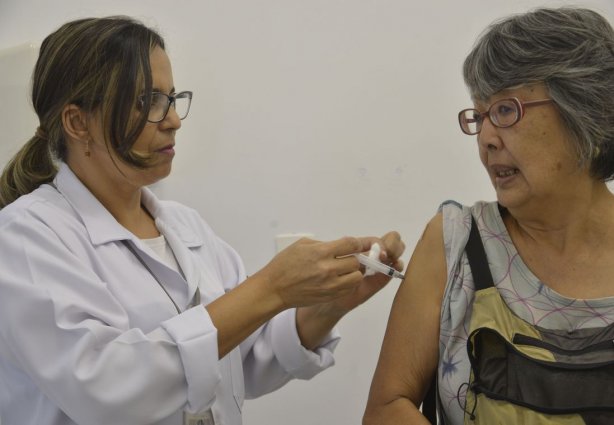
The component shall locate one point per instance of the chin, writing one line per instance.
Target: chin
(158, 173)
(510, 200)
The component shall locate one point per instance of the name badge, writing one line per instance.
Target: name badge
(205, 418)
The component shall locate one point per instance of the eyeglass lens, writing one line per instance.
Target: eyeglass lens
(160, 104)
(503, 113)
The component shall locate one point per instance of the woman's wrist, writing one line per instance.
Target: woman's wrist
(313, 323)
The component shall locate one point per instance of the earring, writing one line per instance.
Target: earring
(87, 147)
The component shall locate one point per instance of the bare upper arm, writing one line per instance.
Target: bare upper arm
(410, 350)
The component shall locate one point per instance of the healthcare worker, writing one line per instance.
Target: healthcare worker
(117, 308)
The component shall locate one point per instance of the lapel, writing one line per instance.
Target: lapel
(100, 225)
(184, 240)
(103, 228)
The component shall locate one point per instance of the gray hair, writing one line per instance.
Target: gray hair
(571, 51)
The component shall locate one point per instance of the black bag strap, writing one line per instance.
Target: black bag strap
(429, 404)
(482, 278)
(478, 262)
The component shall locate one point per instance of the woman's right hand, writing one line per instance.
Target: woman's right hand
(310, 272)
(304, 274)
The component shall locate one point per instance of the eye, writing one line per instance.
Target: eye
(503, 108)
(158, 100)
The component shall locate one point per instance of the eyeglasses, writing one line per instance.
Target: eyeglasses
(503, 113)
(161, 103)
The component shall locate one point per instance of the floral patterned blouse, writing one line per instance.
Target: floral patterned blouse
(523, 293)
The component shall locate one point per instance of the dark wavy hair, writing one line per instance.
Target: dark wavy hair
(94, 63)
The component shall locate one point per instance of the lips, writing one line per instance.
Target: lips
(503, 171)
(507, 173)
(167, 149)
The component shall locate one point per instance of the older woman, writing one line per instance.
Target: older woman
(542, 84)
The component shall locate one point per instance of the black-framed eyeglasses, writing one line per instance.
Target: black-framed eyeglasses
(503, 113)
(161, 103)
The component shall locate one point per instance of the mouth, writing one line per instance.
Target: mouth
(168, 149)
(506, 173)
(503, 174)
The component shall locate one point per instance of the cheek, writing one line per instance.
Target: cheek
(483, 156)
(556, 153)
(145, 139)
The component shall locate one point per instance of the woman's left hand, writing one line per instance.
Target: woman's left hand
(315, 322)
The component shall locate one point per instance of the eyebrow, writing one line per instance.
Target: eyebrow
(158, 90)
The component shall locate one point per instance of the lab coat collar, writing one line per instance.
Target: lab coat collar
(165, 220)
(180, 238)
(101, 226)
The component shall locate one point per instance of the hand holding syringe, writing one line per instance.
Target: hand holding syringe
(373, 265)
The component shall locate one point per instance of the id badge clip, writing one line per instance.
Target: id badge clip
(205, 418)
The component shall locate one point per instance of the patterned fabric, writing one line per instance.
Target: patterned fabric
(523, 293)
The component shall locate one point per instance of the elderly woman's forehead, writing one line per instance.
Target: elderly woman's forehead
(517, 90)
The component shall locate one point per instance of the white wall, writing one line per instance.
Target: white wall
(334, 117)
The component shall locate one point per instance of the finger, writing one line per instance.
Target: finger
(344, 246)
(345, 265)
(338, 286)
(399, 265)
(305, 241)
(348, 282)
(393, 246)
(390, 242)
(367, 241)
(392, 239)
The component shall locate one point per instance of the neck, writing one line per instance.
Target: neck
(562, 223)
(122, 199)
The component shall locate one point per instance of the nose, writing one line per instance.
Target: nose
(488, 137)
(171, 120)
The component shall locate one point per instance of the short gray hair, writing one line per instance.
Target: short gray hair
(571, 51)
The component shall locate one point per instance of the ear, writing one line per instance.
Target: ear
(74, 121)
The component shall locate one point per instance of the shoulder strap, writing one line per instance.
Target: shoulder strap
(429, 404)
(478, 262)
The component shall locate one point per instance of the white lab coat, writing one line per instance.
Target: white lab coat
(87, 336)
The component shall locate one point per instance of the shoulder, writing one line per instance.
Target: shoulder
(44, 206)
(457, 220)
(427, 263)
(454, 212)
(41, 223)
(456, 224)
